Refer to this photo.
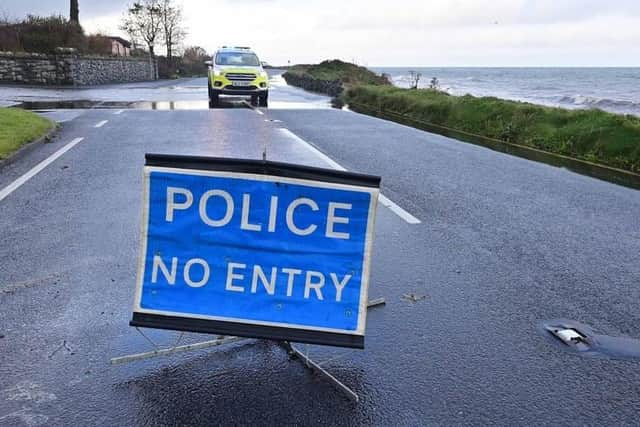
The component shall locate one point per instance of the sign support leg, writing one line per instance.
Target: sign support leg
(309, 363)
(175, 349)
(315, 367)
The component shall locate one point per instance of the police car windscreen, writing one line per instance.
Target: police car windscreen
(237, 58)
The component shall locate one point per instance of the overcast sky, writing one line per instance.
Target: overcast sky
(401, 33)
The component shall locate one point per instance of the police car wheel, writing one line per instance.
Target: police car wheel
(263, 100)
(213, 100)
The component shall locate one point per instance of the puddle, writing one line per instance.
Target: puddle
(224, 103)
(287, 105)
(582, 339)
(136, 105)
(71, 105)
(604, 173)
(190, 105)
(170, 105)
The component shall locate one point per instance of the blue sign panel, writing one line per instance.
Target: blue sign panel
(255, 254)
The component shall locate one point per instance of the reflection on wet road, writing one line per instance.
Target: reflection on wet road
(190, 95)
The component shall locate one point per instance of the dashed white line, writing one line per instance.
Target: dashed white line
(397, 210)
(36, 169)
(118, 112)
(314, 150)
(248, 104)
(406, 216)
(102, 123)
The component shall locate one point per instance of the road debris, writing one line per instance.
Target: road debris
(63, 345)
(413, 298)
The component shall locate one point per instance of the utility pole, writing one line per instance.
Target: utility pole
(74, 12)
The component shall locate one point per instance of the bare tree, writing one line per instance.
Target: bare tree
(74, 12)
(434, 84)
(5, 19)
(133, 34)
(193, 61)
(414, 79)
(172, 30)
(134, 38)
(143, 21)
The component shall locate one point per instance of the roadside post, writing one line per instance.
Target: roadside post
(255, 249)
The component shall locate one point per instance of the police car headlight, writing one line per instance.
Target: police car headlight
(263, 74)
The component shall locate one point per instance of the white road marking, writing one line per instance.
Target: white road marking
(102, 123)
(406, 216)
(36, 169)
(248, 104)
(118, 112)
(397, 210)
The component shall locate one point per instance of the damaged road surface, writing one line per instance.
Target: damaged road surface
(501, 244)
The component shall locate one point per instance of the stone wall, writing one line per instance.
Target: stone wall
(69, 69)
(330, 87)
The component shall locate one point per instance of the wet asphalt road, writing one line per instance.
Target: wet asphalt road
(504, 244)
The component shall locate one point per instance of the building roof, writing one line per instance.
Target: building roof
(123, 42)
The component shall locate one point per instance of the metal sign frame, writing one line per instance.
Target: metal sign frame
(239, 327)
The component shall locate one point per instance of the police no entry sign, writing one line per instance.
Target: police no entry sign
(255, 248)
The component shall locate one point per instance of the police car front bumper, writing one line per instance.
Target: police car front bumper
(241, 90)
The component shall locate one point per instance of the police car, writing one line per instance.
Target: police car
(237, 71)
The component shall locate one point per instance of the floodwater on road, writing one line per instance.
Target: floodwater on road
(179, 94)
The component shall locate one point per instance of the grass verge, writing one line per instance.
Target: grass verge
(592, 135)
(18, 127)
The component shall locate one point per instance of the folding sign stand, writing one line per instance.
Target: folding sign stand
(293, 352)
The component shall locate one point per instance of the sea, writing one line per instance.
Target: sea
(611, 89)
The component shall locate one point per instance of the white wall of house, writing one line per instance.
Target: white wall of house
(119, 49)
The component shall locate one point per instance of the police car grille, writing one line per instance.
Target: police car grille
(243, 77)
(241, 87)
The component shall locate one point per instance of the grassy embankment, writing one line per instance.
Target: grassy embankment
(348, 74)
(592, 135)
(18, 127)
(332, 77)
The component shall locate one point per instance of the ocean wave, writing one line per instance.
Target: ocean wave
(540, 94)
(544, 88)
(592, 101)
